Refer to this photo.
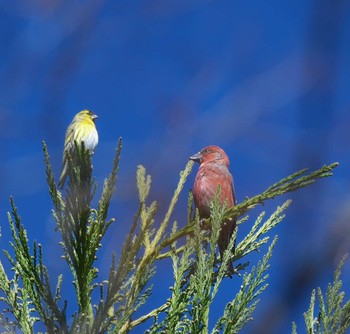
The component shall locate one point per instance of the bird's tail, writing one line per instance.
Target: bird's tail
(226, 233)
(63, 174)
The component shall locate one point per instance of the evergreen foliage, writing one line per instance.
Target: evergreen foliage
(30, 297)
(333, 314)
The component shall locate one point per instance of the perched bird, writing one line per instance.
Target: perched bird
(82, 129)
(213, 171)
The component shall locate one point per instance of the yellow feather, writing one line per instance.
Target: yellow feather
(81, 129)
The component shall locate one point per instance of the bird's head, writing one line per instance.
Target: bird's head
(211, 154)
(86, 115)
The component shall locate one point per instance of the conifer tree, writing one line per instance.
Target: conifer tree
(110, 306)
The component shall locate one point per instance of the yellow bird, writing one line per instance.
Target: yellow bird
(82, 129)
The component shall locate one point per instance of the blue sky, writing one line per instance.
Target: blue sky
(267, 81)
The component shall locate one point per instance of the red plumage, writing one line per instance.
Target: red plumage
(214, 171)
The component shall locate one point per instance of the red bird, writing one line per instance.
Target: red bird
(213, 171)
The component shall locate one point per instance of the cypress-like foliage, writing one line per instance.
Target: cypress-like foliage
(30, 298)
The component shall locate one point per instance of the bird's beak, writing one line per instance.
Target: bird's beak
(196, 157)
(94, 116)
